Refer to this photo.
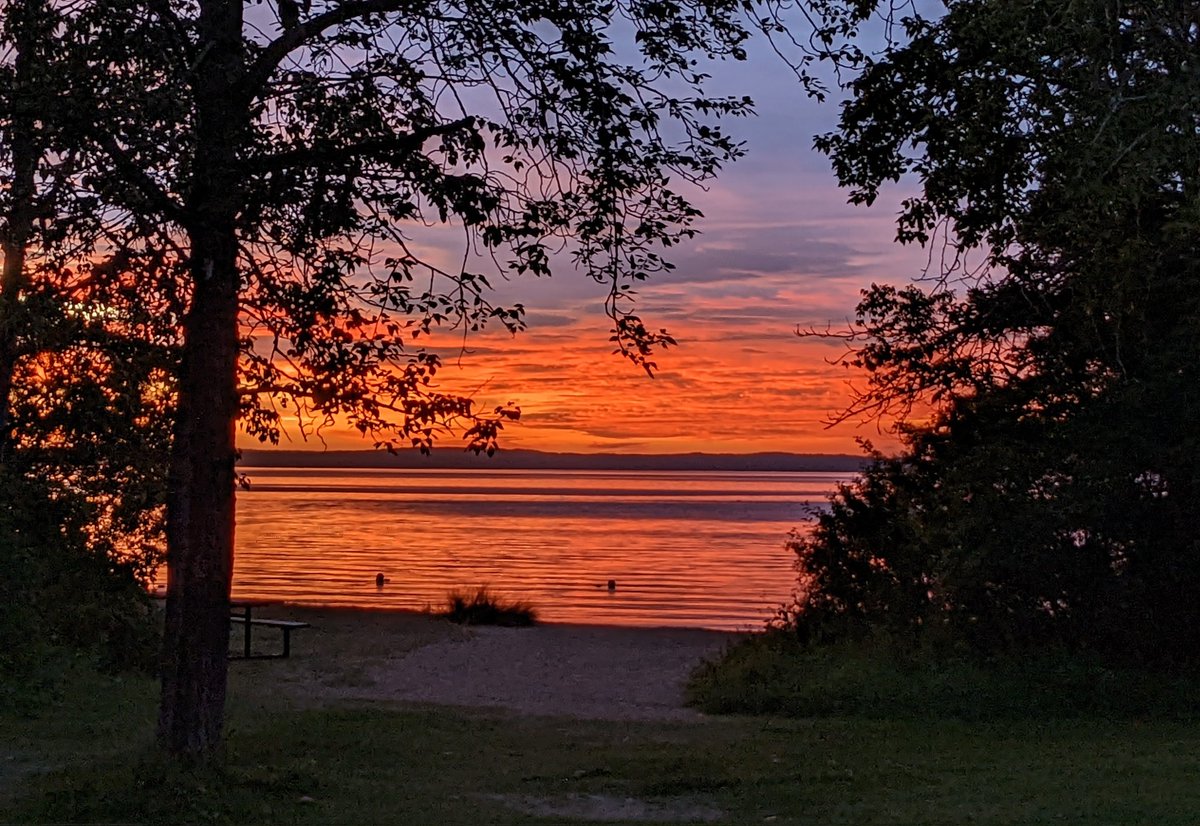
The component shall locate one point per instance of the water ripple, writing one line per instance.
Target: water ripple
(686, 549)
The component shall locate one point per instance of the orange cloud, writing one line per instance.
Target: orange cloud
(740, 381)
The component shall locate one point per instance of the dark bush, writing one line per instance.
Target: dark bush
(63, 599)
(482, 607)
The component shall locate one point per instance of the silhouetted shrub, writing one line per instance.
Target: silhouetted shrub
(482, 607)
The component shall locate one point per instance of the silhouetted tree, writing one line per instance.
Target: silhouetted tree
(1051, 495)
(25, 35)
(299, 156)
(82, 446)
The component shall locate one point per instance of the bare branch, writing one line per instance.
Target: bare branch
(272, 55)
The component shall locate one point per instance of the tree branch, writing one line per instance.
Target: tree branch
(155, 195)
(255, 79)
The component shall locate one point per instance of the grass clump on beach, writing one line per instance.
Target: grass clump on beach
(773, 673)
(482, 607)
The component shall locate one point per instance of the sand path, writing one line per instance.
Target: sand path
(561, 670)
(583, 671)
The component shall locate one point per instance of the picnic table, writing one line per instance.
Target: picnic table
(242, 611)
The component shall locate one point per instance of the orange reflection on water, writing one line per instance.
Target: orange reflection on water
(685, 549)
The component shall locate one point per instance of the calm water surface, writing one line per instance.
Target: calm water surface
(685, 548)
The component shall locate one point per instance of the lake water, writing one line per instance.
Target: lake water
(685, 548)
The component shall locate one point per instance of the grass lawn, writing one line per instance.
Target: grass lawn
(87, 758)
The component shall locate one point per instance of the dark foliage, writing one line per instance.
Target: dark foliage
(61, 598)
(1051, 495)
(85, 384)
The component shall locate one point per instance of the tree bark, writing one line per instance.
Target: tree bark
(200, 497)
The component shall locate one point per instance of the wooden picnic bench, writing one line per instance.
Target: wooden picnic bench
(242, 611)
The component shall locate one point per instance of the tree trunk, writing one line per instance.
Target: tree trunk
(200, 497)
(200, 511)
(17, 228)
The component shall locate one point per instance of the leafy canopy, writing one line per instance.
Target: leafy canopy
(1051, 496)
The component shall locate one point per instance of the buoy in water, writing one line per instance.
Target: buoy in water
(612, 585)
(379, 580)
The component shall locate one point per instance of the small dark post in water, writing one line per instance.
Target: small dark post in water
(379, 580)
(612, 585)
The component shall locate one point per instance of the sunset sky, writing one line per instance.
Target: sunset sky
(779, 249)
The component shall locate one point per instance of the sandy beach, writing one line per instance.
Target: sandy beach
(590, 672)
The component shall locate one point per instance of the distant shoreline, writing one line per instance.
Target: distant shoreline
(446, 459)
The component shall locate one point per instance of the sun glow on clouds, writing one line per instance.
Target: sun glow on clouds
(740, 379)
(779, 249)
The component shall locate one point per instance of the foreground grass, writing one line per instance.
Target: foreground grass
(87, 759)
